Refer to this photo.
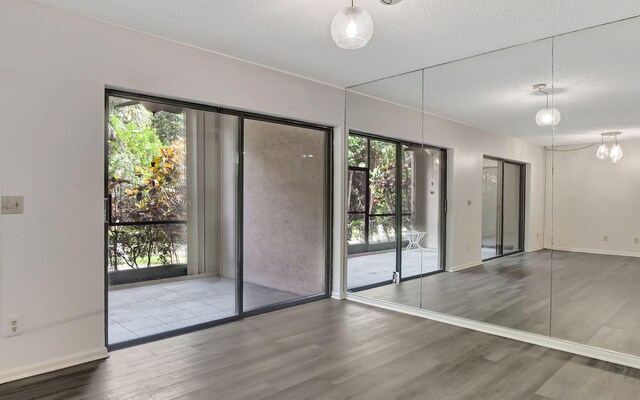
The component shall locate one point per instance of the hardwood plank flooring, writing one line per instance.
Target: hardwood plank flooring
(334, 350)
(595, 299)
(512, 291)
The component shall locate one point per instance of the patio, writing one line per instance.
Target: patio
(139, 311)
(371, 268)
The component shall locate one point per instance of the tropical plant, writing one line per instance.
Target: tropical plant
(147, 183)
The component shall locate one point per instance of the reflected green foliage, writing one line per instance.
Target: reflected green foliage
(357, 154)
(379, 157)
(382, 187)
(357, 189)
(407, 180)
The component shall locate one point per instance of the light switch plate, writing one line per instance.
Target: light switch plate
(12, 204)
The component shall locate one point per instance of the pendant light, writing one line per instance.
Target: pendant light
(352, 28)
(616, 151)
(603, 150)
(547, 116)
(615, 154)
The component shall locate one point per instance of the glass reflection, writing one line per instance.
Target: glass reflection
(596, 269)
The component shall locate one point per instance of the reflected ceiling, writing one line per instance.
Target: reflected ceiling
(595, 76)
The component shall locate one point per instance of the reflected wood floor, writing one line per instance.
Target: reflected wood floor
(595, 298)
(512, 291)
(335, 350)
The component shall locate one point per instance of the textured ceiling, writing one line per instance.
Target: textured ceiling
(293, 35)
(594, 72)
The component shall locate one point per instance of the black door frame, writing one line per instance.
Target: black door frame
(398, 212)
(500, 216)
(240, 313)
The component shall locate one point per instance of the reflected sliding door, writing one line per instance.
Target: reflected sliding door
(393, 187)
(502, 207)
(285, 213)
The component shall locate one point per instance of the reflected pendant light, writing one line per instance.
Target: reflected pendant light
(603, 150)
(547, 116)
(352, 28)
(616, 151)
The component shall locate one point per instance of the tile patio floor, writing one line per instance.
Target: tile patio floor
(141, 311)
(374, 268)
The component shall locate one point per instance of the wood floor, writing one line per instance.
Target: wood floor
(334, 350)
(585, 298)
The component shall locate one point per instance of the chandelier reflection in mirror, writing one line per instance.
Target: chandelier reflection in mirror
(547, 116)
(616, 151)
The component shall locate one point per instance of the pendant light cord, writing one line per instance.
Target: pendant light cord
(546, 93)
(568, 150)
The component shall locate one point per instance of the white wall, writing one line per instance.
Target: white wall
(466, 147)
(593, 199)
(54, 68)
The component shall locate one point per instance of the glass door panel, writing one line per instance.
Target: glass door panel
(490, 208)
(421, 209)
(511, 205)
(502, 208)
(285, 212)
(162, 274)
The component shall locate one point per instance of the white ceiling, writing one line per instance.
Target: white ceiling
(293, 35)
(596, 83)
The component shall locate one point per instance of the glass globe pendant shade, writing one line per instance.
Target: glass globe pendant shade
(352, 28)
(548, 117)
(603, 152)
(616, 153)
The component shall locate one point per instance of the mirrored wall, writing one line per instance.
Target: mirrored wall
(501, 188)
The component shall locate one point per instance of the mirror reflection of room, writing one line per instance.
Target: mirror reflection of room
(538, 216)
(592, 174)
(379, 207)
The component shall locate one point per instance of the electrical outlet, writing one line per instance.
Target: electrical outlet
(605, 238)
(14, 325)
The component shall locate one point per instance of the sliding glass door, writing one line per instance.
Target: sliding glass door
(422, 200)
(502, 207)
(170, 184)
(395, 198)
(210, 215)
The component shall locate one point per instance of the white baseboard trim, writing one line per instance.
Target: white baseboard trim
(532, 249)
(596, 251)
(465, 266)
(337, 296)
(540, 340)
(54, 365)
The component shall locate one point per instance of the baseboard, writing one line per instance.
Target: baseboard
(532, 249)
(337, 296)
(596, 251)
(464, 266)
(540, 340)
(54, 365)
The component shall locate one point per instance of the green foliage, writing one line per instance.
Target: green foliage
(382, 178)
(382, 187)
(357, 155)
(147, 182)
(169, 127)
